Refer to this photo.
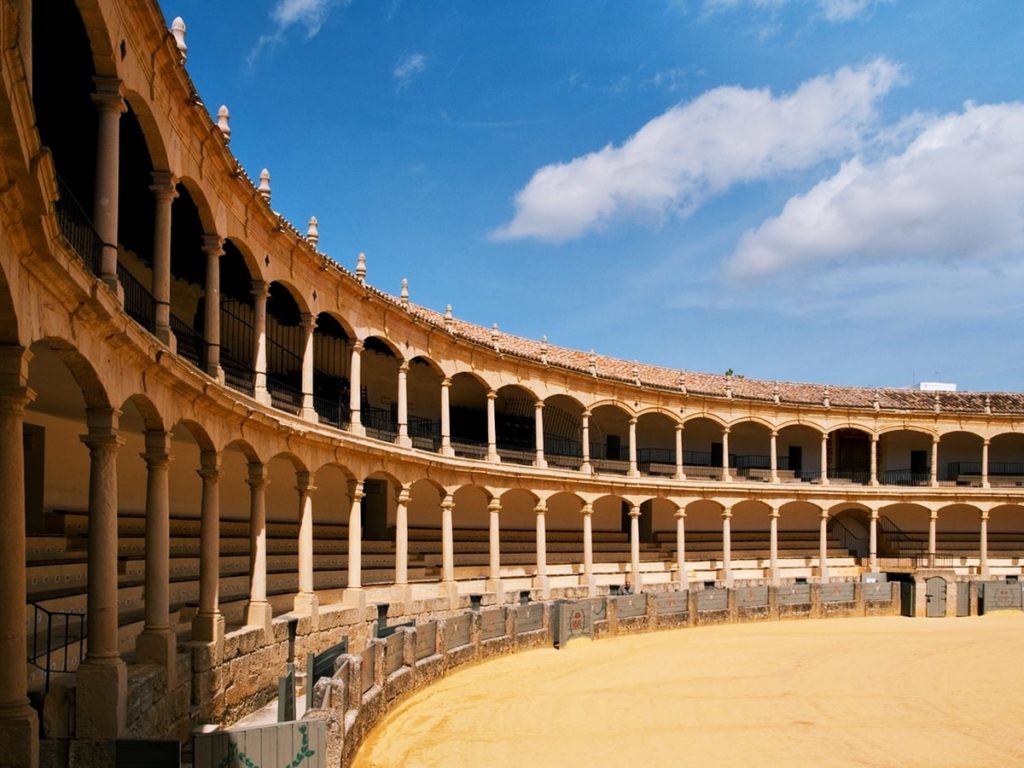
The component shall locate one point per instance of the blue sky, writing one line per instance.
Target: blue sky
(805, 190)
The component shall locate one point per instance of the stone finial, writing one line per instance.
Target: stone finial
(635, 373)
(728, 386)
(875, 403)
(825, 401)
(178, 31)
(448, 318)
(495, 335)
(223, 122)
(264, 186)
(988, 404)
(313, 231)
(404, 294)
(681, 383)
(775, 394)
(361, 267)
(592, 363)
(544, 349)
(938, 404)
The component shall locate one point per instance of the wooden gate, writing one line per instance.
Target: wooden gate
(935, 592)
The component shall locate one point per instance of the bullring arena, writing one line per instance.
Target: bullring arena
(229, 461)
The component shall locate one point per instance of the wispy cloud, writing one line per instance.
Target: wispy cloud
(286, 14)
(726, 136)
(953, 194)
(407, 68)
(831, 10)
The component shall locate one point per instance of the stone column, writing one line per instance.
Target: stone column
(538, 426)
(402, 535)
(933, 519)
(157, 644)
(213, 249)
(684, 577)
(680, 472)
(874, 460)
(19, 725)
(164, 192)
(492, 434)
(260, 294)
(773, 545)
(446, 419)
(542, 550)
(823, 546)
(110, 106)
(873, 542)
(308, 323)
(306, 602)
(355, 541)
(588, 550)
(773, 456)
(403, 405)
(984, 545)
(634, 470)
(984, 464)
(824, 459)
(634, 546)
(355, 392)
(585, 447)
(726, 477)
(933, 478)
(494, 550)
(447, 541)
(727, 546)
(208, 625)
(101, 702)
(259, 612)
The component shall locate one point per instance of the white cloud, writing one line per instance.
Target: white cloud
(955, 192)
(408, 67)
(831, 10)
(726, 136)
(310, 14)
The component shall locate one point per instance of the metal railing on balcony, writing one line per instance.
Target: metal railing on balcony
(906, 477)
(556, 445)
(424, 433)
(57, 642)
(283, 395)
(77, 228)
(468, 448)
(237, 375)
(331, 412)
(191, 345)
(378, 423)
(138, 301)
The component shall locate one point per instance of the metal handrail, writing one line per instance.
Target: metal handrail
(191, 345)
(138, 301)
(283, 395)
(77, 228)
(906, 477)
(57, 657)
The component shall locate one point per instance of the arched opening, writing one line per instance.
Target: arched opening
(283, 520)
(424, 514)
(611, 542)
(904, 458)
(750, 446)
(285, 345)
(188, 278)
(468, 415)
(960, 459)
(849, 456)
(656, 444)
(563, 432)
(1005, 536)
(379, 396)
(851, 529)
(903, 534)
(1006, 460)
(750, 537)
(702, 448)
(515, 422)
(609, 439)
(332, 359)
(237, 319)
(799, 453)
(423, 384)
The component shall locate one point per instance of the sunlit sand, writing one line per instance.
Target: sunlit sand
(842, 692)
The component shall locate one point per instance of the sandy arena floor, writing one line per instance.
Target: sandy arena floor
(842, 692)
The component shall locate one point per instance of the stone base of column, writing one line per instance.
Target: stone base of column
(159, 647)
(497, 587)
(260, 614)
(354, 597)
(726, 477)
(357, 429)
(775, 577)
(590, 583)
(494, 458)
(683, 583)
(101, 700)
(542, 464)
(587, 468)
(215, 372)
(208, 627)
(401, 593)
(306, 604)
(19, 737)
(165, 335)
(111, 281)
(449, 590)
(727, 580)
(679, 476)
(447, 450)
(309, 414)
(262, 395)
(404, 441)
(542, 583)
(633, 473)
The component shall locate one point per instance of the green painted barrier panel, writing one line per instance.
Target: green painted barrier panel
(299, 744)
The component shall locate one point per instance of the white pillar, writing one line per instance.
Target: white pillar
(984, 545)
(402, 536)
(824, 459)
(588, 550)
(213, 249)
(680, 472)
(260, 294)
(684, 577)
(984, 464)
(259, 612)
(873, 542)
(355, 539)
(164, 192)
(447, 540)
(208, 624)
(585, 448)
(19, 725)
(403, 405)
(446, 422)
(492, 434)
(157, 643)
(355, 393)
(542, 550)
(110, 106)
(308, 323)
(773, 545)
(634, 546)
(773, 456)
(494, 550)
(305, 601)
(538, 423)
(633, 469)
(874, 460)
(932, 524)
(726, 477)
(823, 546)
(727, 546)
(933, 479)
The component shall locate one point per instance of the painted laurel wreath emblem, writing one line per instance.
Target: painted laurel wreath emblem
(576, 620)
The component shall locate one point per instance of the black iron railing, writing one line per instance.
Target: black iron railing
(237, 375)
(77, 228)
(995, 468)
(138, 301)
(57, 643)
(191, 345)
(378, 422)
(283, 395)
(751, 462)
(906, 477)
(468, 448)
(894, 542)
(330, 411)
(556, 445)
(656, 456)
(848, 540)
(425, 433)
(698, 459)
